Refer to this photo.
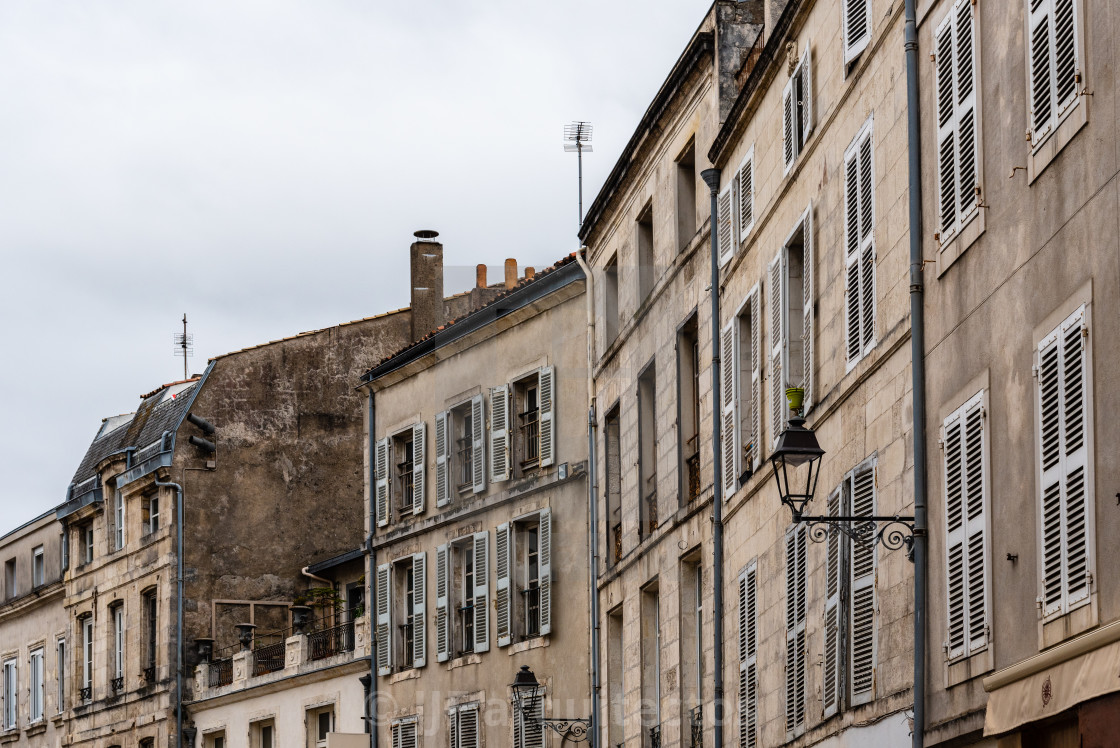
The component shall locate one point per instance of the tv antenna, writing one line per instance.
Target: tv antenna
(184, 345)
(577, 138)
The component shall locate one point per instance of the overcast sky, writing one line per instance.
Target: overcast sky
(261, 166)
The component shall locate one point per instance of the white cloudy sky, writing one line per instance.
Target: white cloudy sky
(262, 166)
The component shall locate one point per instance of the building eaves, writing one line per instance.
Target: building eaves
(29, 523)
(339, 560)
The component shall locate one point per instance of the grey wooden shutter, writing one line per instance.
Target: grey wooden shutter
(946, 127)
(381, 471)
(502, 601)
(1054, 67)
(745, 177)
(466, 732)
(860, 246)
(956, 119)
(724, 219)
(547, 402)
(546, 571)
(443, 455)
(384, 620)
(795, 674)
(778, 350)
(478, 444)
(852, 254)
(1066, 65)
(453, 726)
(481, 591)
(729, 377)
(419, 468)
(832, 688)
(867, 243)
(443, 623)
(806, 71)
(856, 27)
(419, 608)
(748, 658)
(789, 148)
(756, 378)
(862, 581)
(499, 434)
(807, 270)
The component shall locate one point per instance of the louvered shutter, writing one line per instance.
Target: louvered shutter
(725, 221)
(384, 622)
(381, 471)
(967, 174)
(852, 255)
(860, 246)
(956, 535)
(789, 151)
(729, 376)
(832, 688)
(481, 591)
(745, 177)
(748, 658)
(1039, 28)
(867, 245)
(862, 580)
(443, 622)
(419, 609)
(546, 570)
(795, 674)
(528, 733)
(779, 351)
(499, 434)
(756, 378)
(453, 726)
(1049, 395)
(946, 126)
(419, 468)
(806, 71)
(1066, 66)
(956, 118)
(856, 29)
(502, 600)
(443, 458)
(467, 727)
(807, 270)
(404, 734)
(478, 443)
(547, 380)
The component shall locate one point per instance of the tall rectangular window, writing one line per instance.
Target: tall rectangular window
(859, 240)
(118, 518)
(462, 596)
(37, 691)
(855, 27)
(647, 450)
(464, 726)
(688, 409)
(460, 451)
(402, 614)
(791, 322)
(612, 447)
(117, 613)
(150, 513)
(616, 697)
(686, 195)
(741, 392)
(150, 604)
(796, 604)
(610, 300)
(748, 657)
(691, 634)
(403, 732)
(62, 668)
(523, 596)
(797, 111)
(651, 666)
(86, 624)
(11, 694)
(957, 163)
(643, 240)
(38, 567)
(320, 722)
(1054, 55)
(11, 581)
(64, 551)
(85, 537)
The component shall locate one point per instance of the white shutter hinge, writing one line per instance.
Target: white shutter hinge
(1038, 602)
(941, 444)
(1089, 578)
(1034, 370)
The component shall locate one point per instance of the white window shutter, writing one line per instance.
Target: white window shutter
(729, 376)
(1066, 64)
(453, 726)
(945, 64)
(1040, 74)
(546, 571)
(862, 580)
(443, 454)
(467, 727)
(955, 536)
(499, 434)
(832, 688)
(384, 622)
(756, 378)
(748, 658)
(795, 674)
(807, 271)
(1049, 398)
(1076, 490)
(419, 608)
(968, 175)
(443, 622)
(975, 522)
(855, 27)
(481, 591)
(724, 219)
(852, 254)
(806, 66)
(745, 177)
(778, 347)
(419, 468)
(502, 601)
(547, 403)
(478, 443)
(789, 151)
(867, 243)
(381, 471)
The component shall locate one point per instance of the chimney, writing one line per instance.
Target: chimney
(511, 273)
(530, 273)
(426, 261)
(480, 275)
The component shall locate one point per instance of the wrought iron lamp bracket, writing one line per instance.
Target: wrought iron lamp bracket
(890, 532)
(575, 730)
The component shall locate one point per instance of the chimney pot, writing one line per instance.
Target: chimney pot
(530, 273)
(511, 273)
(480, 275)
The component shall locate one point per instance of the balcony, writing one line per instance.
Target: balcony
(696, 727)
(655, 736)
(692, 466)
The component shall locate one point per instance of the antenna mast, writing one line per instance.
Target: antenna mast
(577, 137)
(184, 345)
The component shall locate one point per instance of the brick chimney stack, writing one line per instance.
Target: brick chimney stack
(426, 261)
(511, 273)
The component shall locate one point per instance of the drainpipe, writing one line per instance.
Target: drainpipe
(371, 572)
(179, 616)
(711, 178)
(918, 372)
(592, 503)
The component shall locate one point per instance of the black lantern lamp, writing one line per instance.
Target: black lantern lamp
(526, 690)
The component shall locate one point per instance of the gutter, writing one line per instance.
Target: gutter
(371, 571)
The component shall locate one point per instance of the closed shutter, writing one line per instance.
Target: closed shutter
(443, 623)
(956, 119)
(384, 622)
(499, 434)
(404, 734)
(503, 557)
(778, 349)
(1054, 65)
(478, 444)
(528, 732)
(419, 468)
(453, 727)
(1066, 67)
(547, 381)
(862, 580)
(807, 270)
(464, 721)
(748, 658)
(859, 247)
(725, 221)
(481, 591)
(745, 177)
(729, 376)
(443, 458)
(856, 27)
(419, 609)
(796, 558)
(381, 471)
(756, 378)
(832, 689)
(546, 570)
(789, 147)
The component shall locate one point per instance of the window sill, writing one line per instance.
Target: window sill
(524, 646)
(967, 668)
(965, 237)
(1061, 628)
(1046, 151)
(469, 658)
(38, 727)
(9, 735)
(403, 675)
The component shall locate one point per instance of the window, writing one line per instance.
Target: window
(116, 521)
(796, 656)
(399, 473)
(61, 676)
(11, 694)
(855, 29)
(464, 726)
(86, 624)
(612, 447)
(797, 110)
(64, 551)
(859, 230)
(688, 410)
(150, 603)
(849, 618)
(460, 452)
(85, 543)
(523, 596)
(37, 693)
(527, 438)
(686, 195)
(403, 733)
(791, 323)
(651, 662)
(615, 694)
(320, 723)
(11, 585)
(610, 300)
(643, 240)
(401, 614)
(215, 740)
(528, 733)
(1054, 63)
(150, 514)
(735, 209)
(1066, 498)
(647, 450)
(741, 392)
(748, 657)
(966, 512)
(692, 633)
(117, 613)
(462, 597)
(262, 734)
(957, 142)
(38, 572)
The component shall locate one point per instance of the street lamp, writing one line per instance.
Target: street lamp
(798, 446)
(526, 690)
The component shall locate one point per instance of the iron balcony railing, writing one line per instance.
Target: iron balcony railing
(532, 610)
(616, 532)
(150, 673)
(117, 684)
(221, 672)
(693, 464)
(655, 736)
(86, 693)
(269, 658)
(696, 723)
(330, 641)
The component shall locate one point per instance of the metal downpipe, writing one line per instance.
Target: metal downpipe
(711, 178)
(179, 616)
(371, 708)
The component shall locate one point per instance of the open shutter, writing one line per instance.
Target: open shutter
(946, 127)
(748, 658)
(547, 381)
(1039, 29)
(453, 726)
(729, 376)
(967, 178)
(443, 628)
(443, 455)
(745, 177)
(1076, 490)
(832, 687)
(788, 134)
(384, 624)
(1066, 67)
(419, 608)
(867, 244)
(975, 523)
(501, 584)
(756, 378)
(724, 220)
(481, 591)
(807, 271)
(778, 353)
(1049, 398)
(381, 471)
(478, 444)
(419, 468)
(806, 66)
(795, 628)
(499, 434)
(863, 592)
(546, 571)
(856, 27)
(956, 535)
(852, 255)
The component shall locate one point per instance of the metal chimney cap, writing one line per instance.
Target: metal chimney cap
(425, 234)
